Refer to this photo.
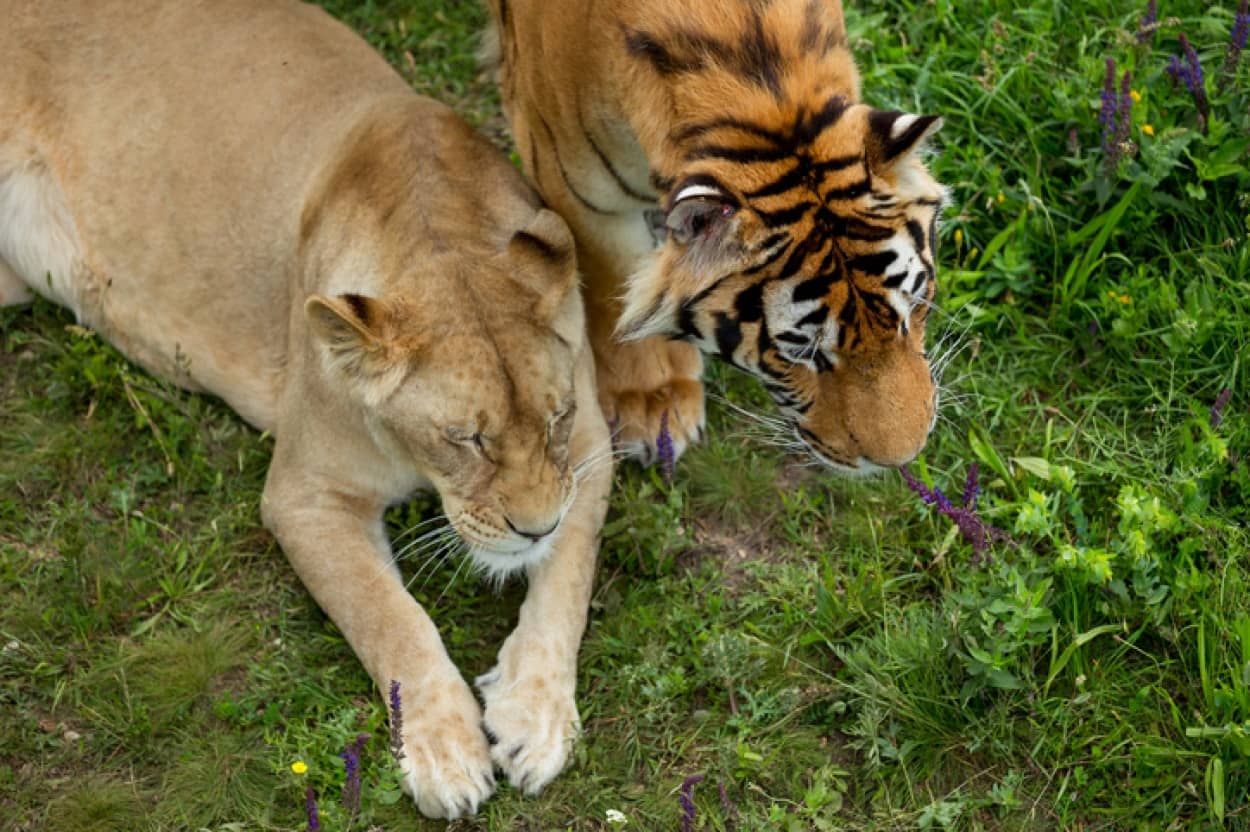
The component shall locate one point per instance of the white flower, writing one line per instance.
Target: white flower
(616, 816)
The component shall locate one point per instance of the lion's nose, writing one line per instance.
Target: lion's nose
(535, 536)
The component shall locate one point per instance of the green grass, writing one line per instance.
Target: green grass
(832, 653)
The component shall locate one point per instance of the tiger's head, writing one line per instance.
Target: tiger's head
(805, 255)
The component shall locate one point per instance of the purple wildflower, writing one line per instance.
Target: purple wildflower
(664, 448)
(1115, 116)
(1149, 22)
(975, 530)
(1195, 81)
(1217, 409)
(310, 808)
(1177, 71)
(1237, 40)
(397, 722)
(1106, 116)
(687, 801)
(351, 778)
(972, 489)
(1124, 111)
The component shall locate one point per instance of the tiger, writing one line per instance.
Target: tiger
(284, 223)
(731, 194)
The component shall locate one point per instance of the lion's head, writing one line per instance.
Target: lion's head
(467, 370)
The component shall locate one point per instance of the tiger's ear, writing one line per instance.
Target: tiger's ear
(698, 213)
(893, 136)
(350, 327)
(702, 245)
(547, 244)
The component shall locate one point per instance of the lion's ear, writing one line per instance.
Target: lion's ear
(344, 321)
(350, 327)
(546, 244)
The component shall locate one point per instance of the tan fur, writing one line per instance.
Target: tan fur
(245, 199)
(613, 105)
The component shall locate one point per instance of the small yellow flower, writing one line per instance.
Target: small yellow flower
(959, 236)
(1001, 197)
(1135, 95)
(972, 255)
(299, 767)
(1147, 129)
(1125, 299)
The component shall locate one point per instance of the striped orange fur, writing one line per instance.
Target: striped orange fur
(731, 194)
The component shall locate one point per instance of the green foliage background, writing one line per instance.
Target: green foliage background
(831, 654)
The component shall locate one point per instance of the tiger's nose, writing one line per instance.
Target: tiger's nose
(535, 536)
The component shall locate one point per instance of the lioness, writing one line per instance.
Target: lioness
(245, 199)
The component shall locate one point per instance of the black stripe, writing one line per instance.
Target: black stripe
(686, 323)
(773, 257)
(555, 151)
(728, 336)
(784, 216)
(742, 155)
(895, 280)
(760, 57)
(795, 262)
(865, 232)
(916, 230)
(789, 180)
(750, 303)
(801, 339)
(822, 362)
(814, 288)
(846, 316)
(880, 308)
(643, 45)
(607, 163)
(813, 27)
(828, 115)
(838, 163)
(660, 182)
(692, 303)
(694, 131)
(534, 159)
(770, 241)
(872, 263)
(816, 317)
(853, 191)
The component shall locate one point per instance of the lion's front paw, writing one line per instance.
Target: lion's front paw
(531, 723)
(446, 762)
(649, 389)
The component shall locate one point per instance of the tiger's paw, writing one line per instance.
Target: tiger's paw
(531, 723)
(446, 763)
(651, 394)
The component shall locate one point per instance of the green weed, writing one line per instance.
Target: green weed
(827, 654)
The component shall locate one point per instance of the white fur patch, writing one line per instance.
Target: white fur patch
(698, 191)
(901, 124)
(497, 567)
(37, 234)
